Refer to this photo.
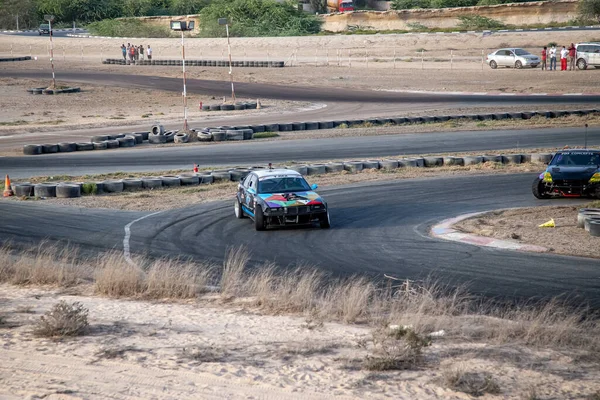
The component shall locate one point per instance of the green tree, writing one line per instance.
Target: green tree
(79, 10)
(409, 4)
(23, 10)
(589, 9)
(186, 7)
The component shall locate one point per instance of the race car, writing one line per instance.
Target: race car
(280, 197)
(571, 173)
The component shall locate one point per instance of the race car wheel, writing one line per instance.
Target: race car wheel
(325, 222)
(518, 65)
(239, 213)
(259, 219)
(537, 188)
(493, 64)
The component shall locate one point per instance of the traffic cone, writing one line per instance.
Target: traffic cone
(549, 224)
(7, 189)
(195, 168)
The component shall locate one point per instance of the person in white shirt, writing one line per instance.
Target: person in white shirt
(563, 58)
(149, 52)
(552, 55)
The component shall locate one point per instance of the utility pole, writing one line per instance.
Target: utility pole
(223, 21)
(183, 26)
(50, 18)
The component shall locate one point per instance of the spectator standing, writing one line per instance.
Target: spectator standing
(544, 56)
(136, 53)
(141, 51)
(563, 58)
(124, 51)
(552, 53)
(131, 53)
(149, 52)
(572, 56)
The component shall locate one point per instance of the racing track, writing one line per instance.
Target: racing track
(255, 152)
(377, 228)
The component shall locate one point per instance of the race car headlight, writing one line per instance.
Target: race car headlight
(547, 177)
(595, 178)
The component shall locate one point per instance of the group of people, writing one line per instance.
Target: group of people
(135, 53)
(568, 57)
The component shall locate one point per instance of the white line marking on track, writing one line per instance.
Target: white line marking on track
(126, 249)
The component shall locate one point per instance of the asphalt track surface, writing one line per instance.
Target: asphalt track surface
(35, 33)
(379, 228)
(295, 93)
(254, 152)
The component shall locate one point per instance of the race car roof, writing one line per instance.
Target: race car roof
(265, 173)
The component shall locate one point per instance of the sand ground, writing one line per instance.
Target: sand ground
(210, 350)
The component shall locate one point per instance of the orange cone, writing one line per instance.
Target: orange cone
(195, 168)
(7, 189)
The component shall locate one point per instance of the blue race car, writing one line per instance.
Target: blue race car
(279, 197)
(571, 173)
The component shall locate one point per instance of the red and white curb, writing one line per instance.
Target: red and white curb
(485, 93)
(444, 230)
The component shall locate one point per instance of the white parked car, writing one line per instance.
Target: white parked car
(588, 54)
(512, 57)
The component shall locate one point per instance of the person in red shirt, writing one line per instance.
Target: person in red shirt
(572, 56)
(544, 55)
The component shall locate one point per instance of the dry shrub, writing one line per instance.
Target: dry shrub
(473, 383)
(115, 277)
(63, 320)
(232, 277)
(350, 299)
(176, 280)
(395, 349)
(43, 265)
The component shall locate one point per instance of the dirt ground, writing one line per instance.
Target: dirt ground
(465, 73)
(213, 350)
(161, 199)
(523, 225)
(99, 105)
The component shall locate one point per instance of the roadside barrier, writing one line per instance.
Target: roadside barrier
(75, 189)
(589, 219)
(198, 63)
(158, 135)
(9, 59)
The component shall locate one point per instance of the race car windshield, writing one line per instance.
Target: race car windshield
(283, 184)
(576, 159)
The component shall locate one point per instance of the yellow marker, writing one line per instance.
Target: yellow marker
(549, 224)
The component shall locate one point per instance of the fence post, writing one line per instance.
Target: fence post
(422, 60)
(482, 60)
(451, 60)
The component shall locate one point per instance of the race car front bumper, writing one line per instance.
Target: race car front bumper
(295, 215)
(572, 188)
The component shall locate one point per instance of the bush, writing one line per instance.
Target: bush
(409, 4)
(89, 188)
(63, 320)
(589, 10)
(128, 28)
(257, 18)
(478, 22)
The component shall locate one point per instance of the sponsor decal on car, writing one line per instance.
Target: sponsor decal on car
(297, 199)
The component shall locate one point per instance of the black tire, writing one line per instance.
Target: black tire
(49, 148)
(170, 181)
(100, 138)
(45, 190)
(157, 139)
(493, 64)
(113, 186)
(181, 137)
(84, 146)
(23, 189)
(100, 145)
(32, 149)
(518, 65)
(67, 147)
(581, 64)
(594, 228)
(151, 183)
(259, 219)
(324, 221)
(237, 209)
(67, 191)
(132, 184)
(190, 179)
(158, 129)
(537, 189)
(127, 141)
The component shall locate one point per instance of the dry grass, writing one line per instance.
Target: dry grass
(63, 320)
(425, 307)
(473, 383)
(394, 349)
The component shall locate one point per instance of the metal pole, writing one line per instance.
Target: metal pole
(185, 123)
(230, 63)
(17, 21)
(52, 54)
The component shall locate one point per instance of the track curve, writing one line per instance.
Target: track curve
(377, 228)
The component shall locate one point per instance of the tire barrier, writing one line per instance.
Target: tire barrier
(23, 189)
(113, 186)
(301, 169)
(221, 176)
(139, 138)
(206, 179)
(316, 169)
(388, 164)
(54, 91)
(584, 213)
(132, 184)
(157, 135)
(188, 63)
(49, 148)
(170, 181)
(334, 167)
(45, 190)
(67, 147)
(112, 144)
(100, 145)
(66, 191)
(353, 166)
(127, 141)
(238, 174)
(588, 220)
(407, 162)
(370, 165)
(594, 228)
(84, 146)
(181, 137)
(11, 59)
(189, 179)
(234, 134)
(470, 160)
(151, 183)
(542, 158)
(433, 161)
